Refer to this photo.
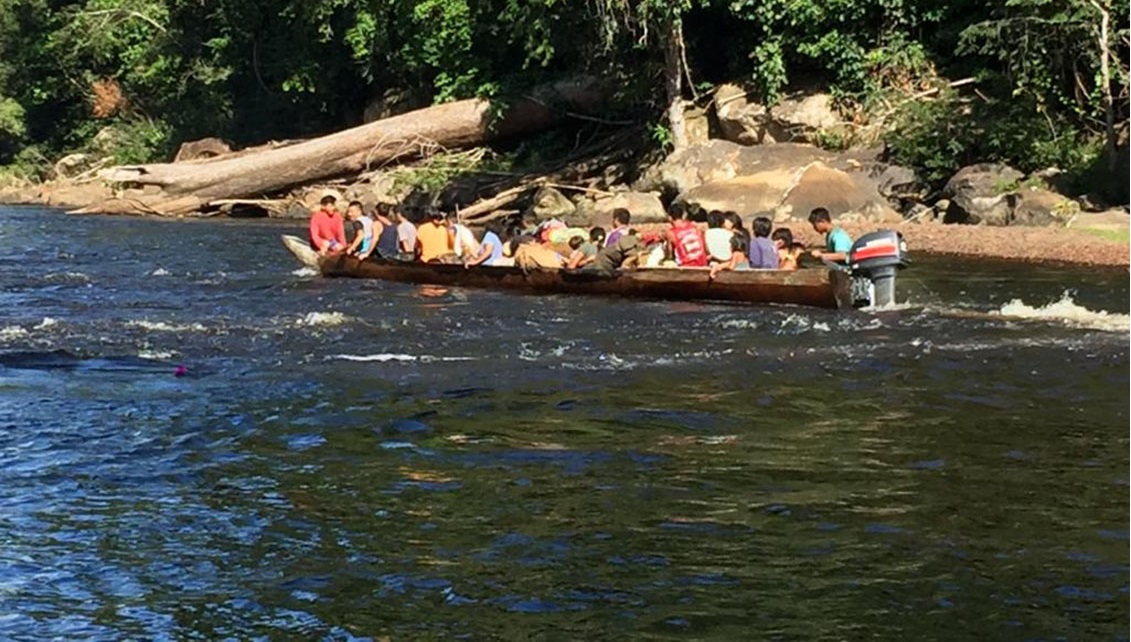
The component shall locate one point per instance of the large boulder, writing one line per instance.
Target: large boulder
(796, 118)
(718, 160)
(645, 207)
(790, 194)
(977, 194)
(788, 179)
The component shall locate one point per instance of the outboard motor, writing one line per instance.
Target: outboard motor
(874, 260)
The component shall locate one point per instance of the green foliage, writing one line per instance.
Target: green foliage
(254, 70)
(940, 136)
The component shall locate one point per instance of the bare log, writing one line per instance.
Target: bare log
(187, 187)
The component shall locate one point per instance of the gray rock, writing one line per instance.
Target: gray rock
(1041, 208)
(203, 148)
(898, 184)
(549, 203)
(977, 194)
(644, 207)
(72, 165)
(799, 117)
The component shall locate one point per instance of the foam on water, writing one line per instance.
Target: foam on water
(156, 355)
(47, 322)
(1067, 312)
(160, 272)
(323, 319)
(12, 332)
(305, 272)
(161, 326)
(387, 357)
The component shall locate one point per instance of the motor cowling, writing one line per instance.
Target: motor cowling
(874, 260)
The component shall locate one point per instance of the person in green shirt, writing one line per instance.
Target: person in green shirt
(837, 242)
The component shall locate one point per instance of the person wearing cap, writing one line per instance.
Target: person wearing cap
(327, 229)
(433, 238)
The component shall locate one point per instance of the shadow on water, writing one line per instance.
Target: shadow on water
(356, 460)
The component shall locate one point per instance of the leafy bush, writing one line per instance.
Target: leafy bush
(939, 137)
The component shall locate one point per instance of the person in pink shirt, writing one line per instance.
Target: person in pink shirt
(327, 229)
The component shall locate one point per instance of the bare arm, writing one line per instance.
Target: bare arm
(485, 250)
(735, 259)
(835, 257)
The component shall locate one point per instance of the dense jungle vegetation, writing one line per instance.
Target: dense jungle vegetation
(1049, 77)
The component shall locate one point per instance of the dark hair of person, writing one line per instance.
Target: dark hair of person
(597, 235)
(818, 215)
(678, 210)
(385, 209)
(740, 242)
(328, 200)
(762, 226)
(735, 219)
(358, 205)
(576, 242)
(714, 219)
(622, 216)
(496, 228)
(783, 234)
(435, 214)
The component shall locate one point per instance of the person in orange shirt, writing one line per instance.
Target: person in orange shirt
(433, 238)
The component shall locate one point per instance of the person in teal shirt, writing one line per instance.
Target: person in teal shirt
(837, 242)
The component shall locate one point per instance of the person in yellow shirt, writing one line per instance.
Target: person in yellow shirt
(433, 239)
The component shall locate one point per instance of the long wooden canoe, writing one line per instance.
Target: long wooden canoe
(822, 288)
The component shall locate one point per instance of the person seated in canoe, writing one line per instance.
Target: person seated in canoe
(464, 244)
(490, 248)
(789, 253)
(327, 230)
(621, 219)
(717, 236)
(621, 254)
(763, 252)
(434, 239)
(739, 255)
(686, 240)
(529, 254)
(585, 251)
(360, 237)
(837, 242)
(406, 233)
(385, 235)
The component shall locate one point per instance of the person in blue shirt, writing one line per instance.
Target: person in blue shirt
(837, 242)
(490, 248)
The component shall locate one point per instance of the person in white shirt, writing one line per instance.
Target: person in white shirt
(718, 237)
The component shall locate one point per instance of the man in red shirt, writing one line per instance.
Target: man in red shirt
(327, 230)
(687, 241)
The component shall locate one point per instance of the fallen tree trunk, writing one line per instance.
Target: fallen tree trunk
(180, 188)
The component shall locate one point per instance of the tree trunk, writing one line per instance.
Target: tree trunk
(180, 188)
(673, 81)
(1105, 78)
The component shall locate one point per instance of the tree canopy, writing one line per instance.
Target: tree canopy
(165, 71)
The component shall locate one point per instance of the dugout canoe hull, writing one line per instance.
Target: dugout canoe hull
(820, 288)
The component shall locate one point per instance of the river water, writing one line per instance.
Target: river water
(349, 459)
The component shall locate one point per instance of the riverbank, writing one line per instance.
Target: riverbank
(1094, 239)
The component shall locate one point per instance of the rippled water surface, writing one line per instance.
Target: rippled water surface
(351, 459)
